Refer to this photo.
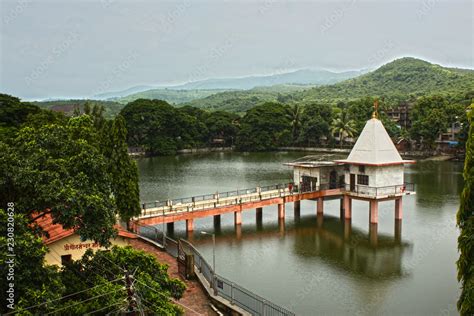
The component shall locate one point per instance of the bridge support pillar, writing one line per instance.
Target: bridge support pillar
(398, 230)
(217, 220)
(374, 211)
(259, 214)
(238, 217)
(398, 209)
(281, 210)
(170, 228)
(373, 236)
(238, 232)
(320, 206)
(347, 207)
(297, 207)
(281, 226)
(189, 225)
(341, 209)
(319, 220)
(347, 229)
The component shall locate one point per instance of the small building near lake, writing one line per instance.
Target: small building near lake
(373, 171)
(65, 245)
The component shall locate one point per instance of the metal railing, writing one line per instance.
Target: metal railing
(245, 299)
(234, 293)
(221, 199)
(392, 190)
(216, 196)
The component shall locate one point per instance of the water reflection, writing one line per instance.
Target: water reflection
(374, 254)
(370, 254)
(437, 182)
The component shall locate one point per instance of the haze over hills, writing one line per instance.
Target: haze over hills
(401, 79)
(215, 85)
(298, 77)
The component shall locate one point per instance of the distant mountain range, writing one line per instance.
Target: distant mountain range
(298, 77)
(402, 79)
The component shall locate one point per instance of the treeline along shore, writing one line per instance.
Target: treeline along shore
(154, 127)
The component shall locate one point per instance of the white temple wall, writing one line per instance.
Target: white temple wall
(299, 172)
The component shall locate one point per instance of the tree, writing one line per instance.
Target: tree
(316, 120)
(13, 113)
(465, 222)
(429, 119)
(123, 170)
(343, 126)
(92, 283)
(72, 173)
(265, 127)
(295, 117)
(222, 124)
(34, 283)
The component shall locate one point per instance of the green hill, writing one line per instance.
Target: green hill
(243, 100)
(171, 96)
(401, 79)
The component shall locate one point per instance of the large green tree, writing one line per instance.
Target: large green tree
(433, 115)
(265, 127)
(465, 221)
(162, 129)
(316, 122)
(94, 283)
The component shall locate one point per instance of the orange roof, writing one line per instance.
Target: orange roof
(57, 232)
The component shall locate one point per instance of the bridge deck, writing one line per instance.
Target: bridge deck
(237, 201)
(220, 205)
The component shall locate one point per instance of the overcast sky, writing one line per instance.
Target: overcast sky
(81, 48)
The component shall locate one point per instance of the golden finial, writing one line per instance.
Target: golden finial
(375, 114)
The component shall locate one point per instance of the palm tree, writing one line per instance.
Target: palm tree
(295, 117)
(343, 126)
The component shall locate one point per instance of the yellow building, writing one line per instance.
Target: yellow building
(65, 245)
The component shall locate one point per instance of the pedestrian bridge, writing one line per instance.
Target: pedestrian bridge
(187, 209)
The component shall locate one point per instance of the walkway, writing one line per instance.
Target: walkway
(194, 297)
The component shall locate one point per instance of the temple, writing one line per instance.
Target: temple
(373, 172)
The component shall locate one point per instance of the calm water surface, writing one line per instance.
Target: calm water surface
(317, 266)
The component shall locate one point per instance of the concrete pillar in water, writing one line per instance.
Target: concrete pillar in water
(238, 232)
(189, 225)
(217, 223)
(373, 236)
(238, 217)
(217, 220)
(341, 209)
(347, 229)
(170, 228)
(347, 207)
(320, 205)
(259, 217)
(281, 226)
(398, 209)
(319, 220)
(374, 211)
(398, 230)
(297, 208)
(281, 210)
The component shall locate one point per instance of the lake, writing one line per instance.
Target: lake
(316, 265)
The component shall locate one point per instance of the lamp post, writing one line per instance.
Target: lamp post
(213, 258)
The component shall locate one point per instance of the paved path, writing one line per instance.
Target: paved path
(194, 297)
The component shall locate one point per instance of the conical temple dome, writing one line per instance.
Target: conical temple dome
(374, 147)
